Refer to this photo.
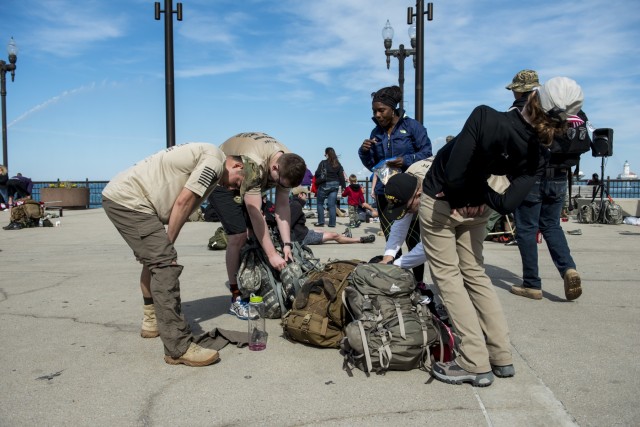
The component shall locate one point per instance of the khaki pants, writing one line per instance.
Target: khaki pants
(453, 245)
(146, 236)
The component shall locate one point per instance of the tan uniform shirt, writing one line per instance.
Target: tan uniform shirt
(257, 150)
(420, 168)
(153, 184)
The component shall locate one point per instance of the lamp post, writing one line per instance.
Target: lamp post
(12, 49)
(168, 64)
(416, 34)
(401, 53)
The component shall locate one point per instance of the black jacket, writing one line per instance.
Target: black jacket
(332, 174)
(490, 142)
(298, 228)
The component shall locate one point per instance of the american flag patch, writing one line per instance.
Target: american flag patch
(574, 121)
(207, 177)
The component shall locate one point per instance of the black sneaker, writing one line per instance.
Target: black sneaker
(347, 232)
(452, 373)
(369, 238)
(13, 226)
(318, 224)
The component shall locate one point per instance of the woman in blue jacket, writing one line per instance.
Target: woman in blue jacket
(401, 141)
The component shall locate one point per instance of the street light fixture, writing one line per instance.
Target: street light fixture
(416, 34)
(401, 53)
(12, 50)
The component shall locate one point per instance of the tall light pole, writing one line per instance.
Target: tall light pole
(12, 49)
(168, 64)
(416, 34)
(417, 42)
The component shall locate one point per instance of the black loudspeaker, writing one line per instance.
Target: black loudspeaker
(602, 145)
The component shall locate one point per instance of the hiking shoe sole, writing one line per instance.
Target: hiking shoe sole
(572, 284)
(506, 371)
(177, 361)
(451, 373)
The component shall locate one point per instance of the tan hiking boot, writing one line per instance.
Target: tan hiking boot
(149, 323)
(526, 292)
(194, 356)
(572, 282)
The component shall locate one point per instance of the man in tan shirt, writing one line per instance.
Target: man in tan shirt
(164, 189)
(267, 164)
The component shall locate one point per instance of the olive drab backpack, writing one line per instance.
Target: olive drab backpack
(27, 214)
(318, 315)
(392, 329)
(218, 241)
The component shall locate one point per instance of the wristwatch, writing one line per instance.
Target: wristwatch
(288, 244)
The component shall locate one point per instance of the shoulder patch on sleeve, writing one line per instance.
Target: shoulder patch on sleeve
(207, 177)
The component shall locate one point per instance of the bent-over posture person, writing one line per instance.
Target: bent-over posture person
(163, 190)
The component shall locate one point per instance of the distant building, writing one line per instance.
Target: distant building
(626, 172)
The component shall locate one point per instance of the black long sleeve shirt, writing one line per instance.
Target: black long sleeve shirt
(491, 142)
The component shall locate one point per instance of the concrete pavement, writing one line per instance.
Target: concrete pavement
(70, 312)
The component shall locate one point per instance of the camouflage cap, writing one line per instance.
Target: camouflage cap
(524, 81)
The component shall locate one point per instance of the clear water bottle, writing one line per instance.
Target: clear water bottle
(257, 327)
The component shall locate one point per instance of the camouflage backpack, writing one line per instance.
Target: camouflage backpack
(278, 289)
(27, 214)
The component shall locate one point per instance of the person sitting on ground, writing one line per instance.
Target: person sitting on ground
(269, 211)
(163, 190)
(355, 199)
(305, 236)
(367, 213)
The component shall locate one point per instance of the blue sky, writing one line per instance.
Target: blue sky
(88, 98)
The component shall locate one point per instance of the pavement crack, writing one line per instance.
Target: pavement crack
(119, 327)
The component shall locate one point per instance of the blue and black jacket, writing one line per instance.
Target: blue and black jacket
(409, 140)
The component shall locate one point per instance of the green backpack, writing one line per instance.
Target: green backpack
(391, 329)
(318, 316)
(218, 241)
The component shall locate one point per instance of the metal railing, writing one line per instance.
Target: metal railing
(618, 188)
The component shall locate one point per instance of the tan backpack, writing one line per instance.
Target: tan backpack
(318, 316)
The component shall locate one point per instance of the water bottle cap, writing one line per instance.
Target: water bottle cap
(255, 298)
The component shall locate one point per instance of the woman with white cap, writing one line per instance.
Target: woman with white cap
(453, 217)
